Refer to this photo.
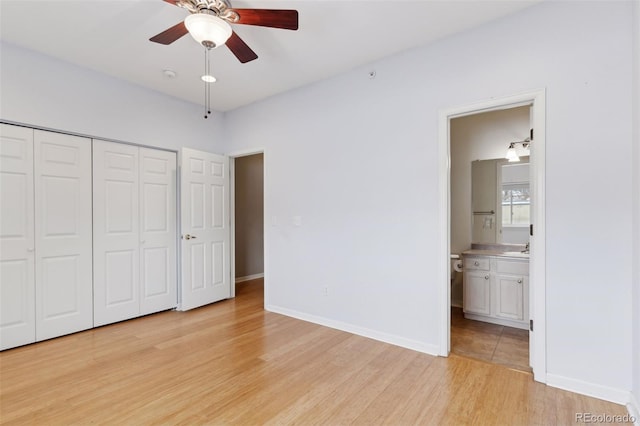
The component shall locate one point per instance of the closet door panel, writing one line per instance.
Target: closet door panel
(158, 204)
(63, 228)
(17, 244)
(116, 232)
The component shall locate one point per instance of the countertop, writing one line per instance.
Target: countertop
(498, 253)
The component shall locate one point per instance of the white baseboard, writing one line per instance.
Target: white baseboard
(633, 407)
(606, 393)
(249, 278)
(360, 331)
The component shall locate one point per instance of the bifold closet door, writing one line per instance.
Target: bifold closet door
(45, 233)
(158, 239)
(115, 238)
(17, 244)
(134, 231)
(64, 290)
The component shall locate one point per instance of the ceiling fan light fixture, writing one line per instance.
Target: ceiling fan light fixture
(208, 30)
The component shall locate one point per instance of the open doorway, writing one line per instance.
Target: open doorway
(248, 222)
(537, 253)
(490, 216)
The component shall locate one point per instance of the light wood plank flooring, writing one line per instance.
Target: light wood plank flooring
(232, 363)
(489, 342)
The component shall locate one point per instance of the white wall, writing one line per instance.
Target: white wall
(45, 92)
(357, 160)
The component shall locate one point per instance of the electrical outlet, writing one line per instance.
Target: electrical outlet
(325, 290)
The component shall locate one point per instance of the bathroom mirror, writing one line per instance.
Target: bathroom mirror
(500, 201)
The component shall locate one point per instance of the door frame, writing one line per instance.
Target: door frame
(232, 214)
(537, 288)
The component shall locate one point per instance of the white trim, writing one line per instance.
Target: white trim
(537, 99)
(249, 278)
(232, 226)
(354, 329)
(633, 407)
(245, 152)
(606, 393)
(444, 218)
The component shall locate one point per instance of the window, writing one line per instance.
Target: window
(516, 204)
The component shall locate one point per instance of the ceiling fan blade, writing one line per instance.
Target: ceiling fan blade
(239, 48)
(273, 18)
(170, 35)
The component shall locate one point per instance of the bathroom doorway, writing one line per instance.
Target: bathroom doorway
(482, 133)
(490, 214)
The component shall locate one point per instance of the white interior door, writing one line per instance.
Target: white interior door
(17, 248)
(64, 294)
(158, 204)
(116, 273)
(205, 228)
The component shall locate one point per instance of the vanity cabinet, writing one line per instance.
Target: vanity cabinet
(496, 290)
(477, 286)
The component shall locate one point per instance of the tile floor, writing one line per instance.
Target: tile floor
(489, 342)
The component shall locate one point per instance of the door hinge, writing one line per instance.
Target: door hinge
(530, 325)
(531, 134)
(531, 230)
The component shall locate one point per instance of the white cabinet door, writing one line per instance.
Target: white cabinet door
(510, 297)
(64, 295)
(17, 280)
(158, 276)
(477, 292)
(205, 228)
(116, 232)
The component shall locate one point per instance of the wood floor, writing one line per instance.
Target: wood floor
(489, 342)
(232, 363)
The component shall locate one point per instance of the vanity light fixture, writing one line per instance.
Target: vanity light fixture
(512, 154)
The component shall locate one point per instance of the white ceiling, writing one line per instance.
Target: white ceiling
(334, 36)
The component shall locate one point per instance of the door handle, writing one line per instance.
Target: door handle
(190, 237)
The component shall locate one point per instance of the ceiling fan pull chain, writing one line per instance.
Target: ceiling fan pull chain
(206, 61)
(208, 84)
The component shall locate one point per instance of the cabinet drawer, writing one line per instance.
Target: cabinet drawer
(476, 263)
(513, 267)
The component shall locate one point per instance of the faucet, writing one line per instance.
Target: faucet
(526, 249)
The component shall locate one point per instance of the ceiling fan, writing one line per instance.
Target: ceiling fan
(208, 23)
